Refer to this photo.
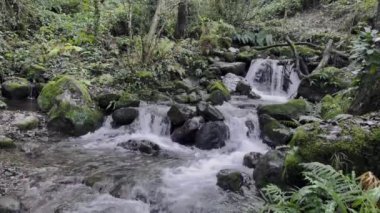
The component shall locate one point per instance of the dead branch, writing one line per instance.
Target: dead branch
(326, 57)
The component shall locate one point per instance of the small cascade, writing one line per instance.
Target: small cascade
(273, 78)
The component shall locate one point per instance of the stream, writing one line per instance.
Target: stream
(92, 174)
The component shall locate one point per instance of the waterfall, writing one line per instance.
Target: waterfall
(273, 78)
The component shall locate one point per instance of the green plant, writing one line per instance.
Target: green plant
(328, 191)
(261, 38)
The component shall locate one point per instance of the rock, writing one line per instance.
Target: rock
(16, 88)
(70, 107)
(178, 115)
(273, 132)
(304, 119)
(251, 159)
(194, 98)
(124, 116)
(106, 101)
(231, 80)
(251, 127)
(208, 112)
(288, 111)
(367, 98)
(253, 95)
(328, 81)
(231, 180)
(217, 98)
(185, 85)
(6, 143)
(143, 146)
(182, 98)
(185, 134)
(3, 105)
(243, 88)
(237, 68)
(212, 135)
(247, 56)
(127, 100)
(28, 123)
(9, 205)
(269, 169)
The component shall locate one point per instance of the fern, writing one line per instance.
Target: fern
(328, 191)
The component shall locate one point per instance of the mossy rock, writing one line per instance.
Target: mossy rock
(16, 88)
(288, 111)
(28, 123)
(35, 72)
(333, 106)
(218, 86)
(127, 99)
(354, 148)
(247, 56)
(328, 81)
(6, 143)
(273, 132)
(70, 106)
(46, 100)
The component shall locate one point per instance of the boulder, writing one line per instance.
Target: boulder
(212, 135)
(208, 112)
(106, 101)
(219, 93)
(368, 97)
(237, 68)
(328, 81)
(124, 116)
(243, 88)
(27, 123)
(269, 169)
(288, 111)
(127, 100)
(251, 127)
(251, 159)
(273, 132)
(217, 98)
(232, 180)
(185, 134)
(178, 114)
(3, 105)
(6, 143)
(9, 205)
(253, 95)
(231, 80)
(16, 88)
(143, 146)
(70, 107)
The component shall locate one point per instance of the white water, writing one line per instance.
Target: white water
(267, 78)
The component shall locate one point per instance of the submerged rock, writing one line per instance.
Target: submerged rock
(144, 146)
(16, 88)
(28, 123)
(251, 159)
(185, 134)
(3, 105)
(9, 205)
(178, 114)
(209, 113)
(273, 132)
(70, 107)
(232, 180)
(124, 116)
(6, 143)
(212, 135)
(243, 88)
(269, 169)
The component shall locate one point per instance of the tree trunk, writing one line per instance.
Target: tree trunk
(377, 18)
(151, 36)
(182, 19)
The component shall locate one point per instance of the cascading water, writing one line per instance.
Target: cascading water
(273, 79)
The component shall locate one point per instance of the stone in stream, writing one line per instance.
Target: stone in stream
(208, 112)
(178, 114)
(293, 109)
(144, 146)
(243, 88)
(237, 68)
(9, 205)
(70, 107)
(273, 132)
(253, 95)
(106, 100)
(6, 143)
(124, 116)
(219, 93)
(16, 88)
(27, 123)
(232, 180)
(251, 159)
(212, 135)
(269, 169)
(185, 134)
(217, 98)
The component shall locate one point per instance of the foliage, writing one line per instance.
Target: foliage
(260, 38)
(365, 49)
(328, 191)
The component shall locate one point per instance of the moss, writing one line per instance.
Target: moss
(218, 86)
(144, 74)
(127, 99)
(54, 88)
(35, 71)
(16, 83)
(247, 56)
(3, 105)
(28, 123)
(6, 143)
(333, 106)
(290, 110)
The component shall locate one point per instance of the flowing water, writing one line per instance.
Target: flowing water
(180, 179)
